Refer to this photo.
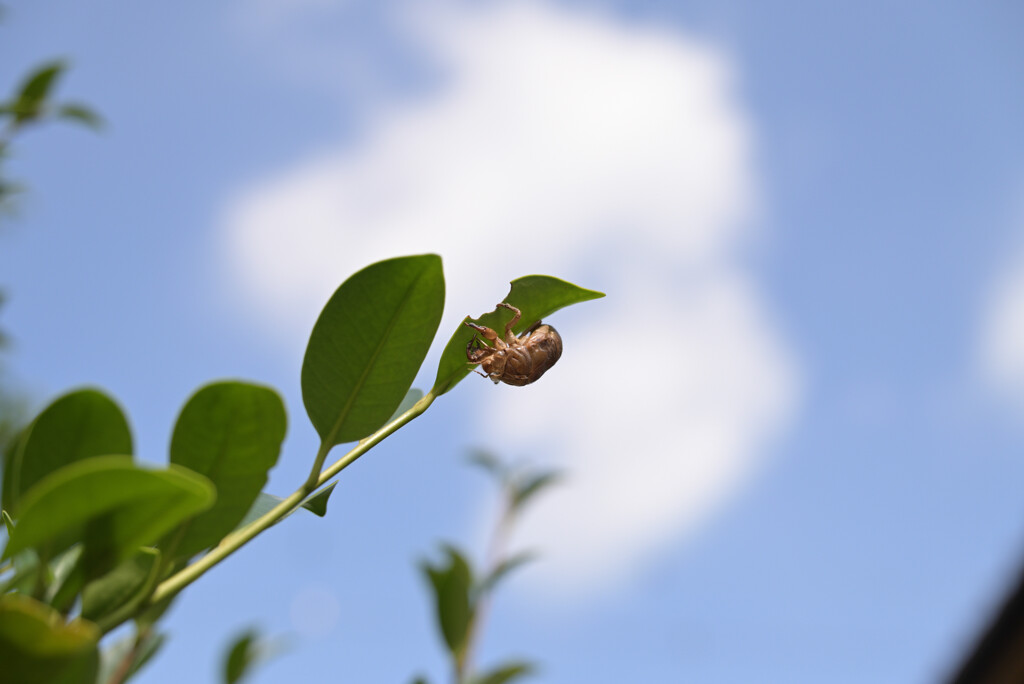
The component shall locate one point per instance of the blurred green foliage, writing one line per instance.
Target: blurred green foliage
(462, 595)
(32, 103)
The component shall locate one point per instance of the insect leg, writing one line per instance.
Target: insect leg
(516, 313)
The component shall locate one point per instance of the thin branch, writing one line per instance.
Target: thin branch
(240, 538)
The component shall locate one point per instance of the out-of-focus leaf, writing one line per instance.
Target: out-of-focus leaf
(112, 659)
(66, 579)
(536, 296)
(79, 425)
(26, 566)
(34, 91)
(123, 589)
(80, 114)
(7, 496)
(110, 505)
(367, 345)
(242, 654)
(505, 673)
(489, 462)
(8, 523)
(230, 432)
(502, 570)
(530, 486)
(151, 613)
(452, 584)
(38, 647)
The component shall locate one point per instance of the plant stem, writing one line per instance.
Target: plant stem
(495, 552)
(313, 481)
(125, 666)
(239, 538)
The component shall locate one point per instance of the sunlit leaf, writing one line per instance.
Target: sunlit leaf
(536, 296)
(109, 504)
(231, 432)
(367, 345)
(38, 647)
(79, 425)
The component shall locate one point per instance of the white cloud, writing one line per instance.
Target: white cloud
(614, 156)
(1001, 345)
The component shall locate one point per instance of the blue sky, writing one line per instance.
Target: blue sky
(792, 428)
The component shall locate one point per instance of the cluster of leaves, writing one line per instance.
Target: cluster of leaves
(461, 595)
(32, 103)
(96, 540)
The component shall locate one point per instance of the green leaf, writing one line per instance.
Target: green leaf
(110, 505)
(536, 296)
(80, 114)
(23, 580)
(367, 345)
(7, 488)
(263, 503)
(241, 656)
(39, 83)
(150, 614)
(317, 502)
(8, 523)
(410, 399)
(113, 658)
(38, 647)
(502, 571)
(489, 462)
(505, 673)
(527, 488)
(66, 579)
(123, 589)
(76, 426)
(452, 584)
(231, 432)
(35, 90)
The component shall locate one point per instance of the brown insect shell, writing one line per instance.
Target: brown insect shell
(524, 359)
